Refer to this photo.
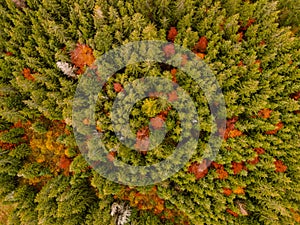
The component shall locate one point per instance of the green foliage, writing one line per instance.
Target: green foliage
(8, 184)
(251, 51)
(290, 14)
(64, 201)
(39, 128)
(33, 170)
(21, 151)
(79, 164)
(104, 187)
(9, 165)
(13, 136)
(25, 211)
(4, 125)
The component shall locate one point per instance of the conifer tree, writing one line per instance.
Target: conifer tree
(255, 57)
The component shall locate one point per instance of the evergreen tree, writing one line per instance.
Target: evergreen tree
(47, 46)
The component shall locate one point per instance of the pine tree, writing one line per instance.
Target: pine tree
(255, 57)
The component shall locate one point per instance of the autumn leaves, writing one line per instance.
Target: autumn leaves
(258, 157)
(82, 56)
(200, 170)
(27, 74)
(142, 140)
(199, 48)
(150, 200)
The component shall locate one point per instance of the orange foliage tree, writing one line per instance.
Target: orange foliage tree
(82, 56)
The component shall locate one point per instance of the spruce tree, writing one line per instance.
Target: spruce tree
(46, 48)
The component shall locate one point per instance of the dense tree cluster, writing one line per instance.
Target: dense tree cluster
(47, 46)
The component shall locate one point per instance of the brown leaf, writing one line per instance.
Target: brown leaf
(142, 145)
(234, 119)
(144, 132)
(82, 56)
(239, 191)
(118, 87)
(111, 156)
(234, 133)
(155, 94)
(262, 43)
(232, 212)
(241, 35)
(201, 45)
(173, 73)
(279, 126)
(98, 128)
(254, 161)
(157, 122)
(27, 74)
(164, 113)
(201, 55)
(64, 162)
(250, 22)
(172, 96)
(184, 59)
(169, 50)
(265, 113)
(7, 146)
(172, 34)
(296, 112)
(199, 169)
(223, 174)
(216, 165)
(241, 63)
(259, 150)
(227, 191)
(280, 167)
(258, 62)
(238, 167)
(296, 215)
(142, 140)
(19, 3)
(86, 121)
(295, 95)
(230, 132)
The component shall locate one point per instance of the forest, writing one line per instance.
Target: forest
(149, 112)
